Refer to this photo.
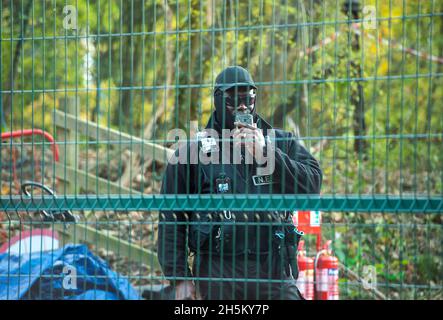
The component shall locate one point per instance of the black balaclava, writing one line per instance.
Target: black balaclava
(231, 77)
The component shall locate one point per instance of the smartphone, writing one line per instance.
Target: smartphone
(245, 118)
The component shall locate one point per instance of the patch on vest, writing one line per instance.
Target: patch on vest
(207, 144)
(262, 180)
(223, 184)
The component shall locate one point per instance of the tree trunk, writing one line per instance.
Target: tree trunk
(149, 131)
(299, 97)
(357, 100)
(189, 98)
(130, 66)
(9, 85)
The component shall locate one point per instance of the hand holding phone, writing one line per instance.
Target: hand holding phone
(247, 134)
(244, 118)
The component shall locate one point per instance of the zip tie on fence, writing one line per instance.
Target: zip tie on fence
(422, 54)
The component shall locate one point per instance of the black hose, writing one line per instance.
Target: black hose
(53, 215)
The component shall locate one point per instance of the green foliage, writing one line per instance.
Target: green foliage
(132, 63)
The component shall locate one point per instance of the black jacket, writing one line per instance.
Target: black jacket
(296, 172)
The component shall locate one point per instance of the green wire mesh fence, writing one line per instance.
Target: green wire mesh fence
(97, 95)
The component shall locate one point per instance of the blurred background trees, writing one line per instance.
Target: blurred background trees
(145, 67)
(369, 110)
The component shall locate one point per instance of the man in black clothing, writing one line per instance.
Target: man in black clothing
(236, 255)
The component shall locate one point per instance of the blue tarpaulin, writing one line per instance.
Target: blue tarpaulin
(71, 272)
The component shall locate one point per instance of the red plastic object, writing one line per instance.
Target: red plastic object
(309, 222)
(31, 132)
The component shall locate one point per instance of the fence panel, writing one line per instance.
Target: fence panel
(97, 97)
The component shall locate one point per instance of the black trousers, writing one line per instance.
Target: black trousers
(242, 277)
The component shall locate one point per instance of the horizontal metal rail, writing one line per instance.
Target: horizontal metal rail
(213, 29)
(275, 83)
(352, 203)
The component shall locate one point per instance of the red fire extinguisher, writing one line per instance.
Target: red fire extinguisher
(326, 274)
(305, 281)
